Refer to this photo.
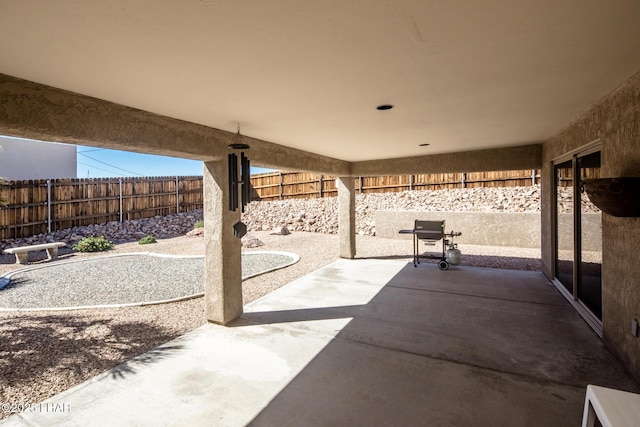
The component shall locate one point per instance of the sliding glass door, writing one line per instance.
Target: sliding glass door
(565, 228)
(590, 261)
(578, 235)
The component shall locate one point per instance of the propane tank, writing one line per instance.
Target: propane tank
(453, 254)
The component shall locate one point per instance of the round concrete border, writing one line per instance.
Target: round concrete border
(6, 279)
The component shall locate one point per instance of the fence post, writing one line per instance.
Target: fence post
(120, 197)
(177, 196)
(281, 184)
(464, 178)
(533, 177)
(410, 182)
(48, 206)
(320, 177)
(360, 184)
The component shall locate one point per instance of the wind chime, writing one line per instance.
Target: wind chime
(239, 180)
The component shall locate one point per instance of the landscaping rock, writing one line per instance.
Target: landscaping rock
(196, 232)
(160, 227)
(319, 215)
(280, 231)
(250, 241)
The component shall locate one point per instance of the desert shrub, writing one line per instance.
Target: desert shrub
(147, 240)
(93, 244)
(198, 224)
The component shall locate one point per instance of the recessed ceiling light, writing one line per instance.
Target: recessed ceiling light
(423, 145)
(384, 107)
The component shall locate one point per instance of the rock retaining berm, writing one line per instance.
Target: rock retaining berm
(316, 215)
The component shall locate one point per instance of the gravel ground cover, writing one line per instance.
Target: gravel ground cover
(121, 279)
(45, 353)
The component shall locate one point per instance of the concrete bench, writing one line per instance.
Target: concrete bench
(22, 252)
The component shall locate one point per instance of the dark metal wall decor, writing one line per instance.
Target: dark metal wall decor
(615, 196)
(239, 229)
(239, 176)
(245, 167)
(233, 181)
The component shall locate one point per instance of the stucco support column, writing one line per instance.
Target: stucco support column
(346, 216)
(223, 263)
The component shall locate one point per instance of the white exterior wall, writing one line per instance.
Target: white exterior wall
(27, 159)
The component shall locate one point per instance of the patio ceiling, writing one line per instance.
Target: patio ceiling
(309, 75)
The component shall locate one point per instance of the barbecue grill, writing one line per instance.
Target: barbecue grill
(430, 232)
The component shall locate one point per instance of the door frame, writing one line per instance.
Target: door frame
(573, 155)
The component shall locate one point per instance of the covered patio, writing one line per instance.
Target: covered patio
(365, 342)
(349, 89)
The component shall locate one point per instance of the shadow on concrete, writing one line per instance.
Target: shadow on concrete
(302, 315)
(358, 342)
(467, 346)
(485, 261)
(387, 257)
(132, 366)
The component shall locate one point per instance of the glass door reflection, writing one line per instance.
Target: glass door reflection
(589, 281)
(565, 251)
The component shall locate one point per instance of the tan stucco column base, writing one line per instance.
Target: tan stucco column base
(346, 216)
(223, 263)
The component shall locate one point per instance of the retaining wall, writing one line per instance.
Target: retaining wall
(520, 230)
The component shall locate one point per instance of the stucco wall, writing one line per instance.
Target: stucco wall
(27, 159)
(510, 229)
(615, 121)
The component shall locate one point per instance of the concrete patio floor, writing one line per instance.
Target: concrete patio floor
(364, 342)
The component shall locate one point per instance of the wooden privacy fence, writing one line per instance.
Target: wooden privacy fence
(48, 205)
(39, 206)
(291, 185)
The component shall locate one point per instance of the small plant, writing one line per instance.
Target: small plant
(93, 244)
(198, 224)
(147, 240)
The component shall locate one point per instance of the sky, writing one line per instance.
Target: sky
(103, 163)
